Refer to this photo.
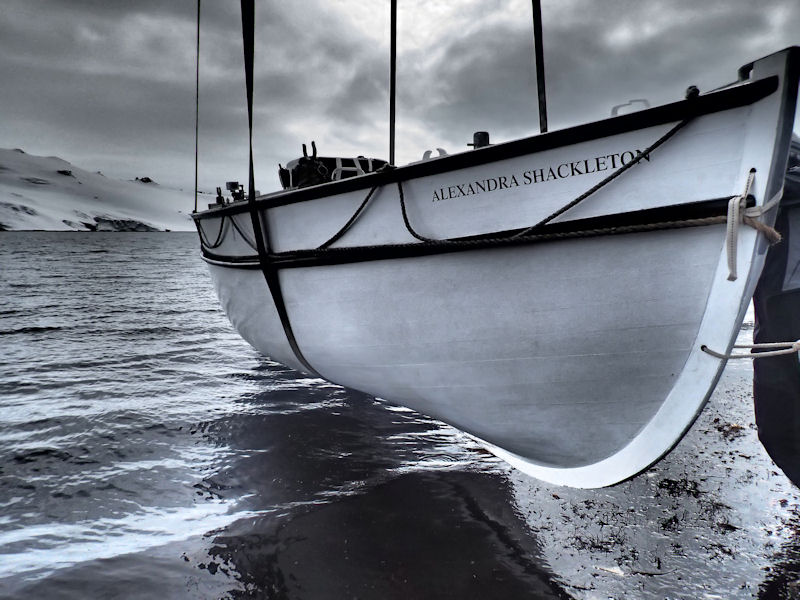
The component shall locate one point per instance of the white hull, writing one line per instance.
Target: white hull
(579, 361)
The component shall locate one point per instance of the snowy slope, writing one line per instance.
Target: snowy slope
(49, 193)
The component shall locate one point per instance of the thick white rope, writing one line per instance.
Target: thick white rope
(738, 214)
(735, 207)
(780, 349)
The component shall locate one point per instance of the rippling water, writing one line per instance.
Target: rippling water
(147, 451)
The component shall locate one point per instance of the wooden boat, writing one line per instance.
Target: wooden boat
(553, 296)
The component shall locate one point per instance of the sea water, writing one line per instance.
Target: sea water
(147, 451)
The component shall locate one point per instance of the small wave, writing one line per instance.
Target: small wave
(49, 547)
(41, 453)
(23, 330)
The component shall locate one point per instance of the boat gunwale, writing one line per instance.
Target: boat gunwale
(741, 94)
(674, 216)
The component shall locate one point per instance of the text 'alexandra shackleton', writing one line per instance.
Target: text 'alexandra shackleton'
(585, 166)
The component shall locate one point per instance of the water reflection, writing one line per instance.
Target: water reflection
(339, 506)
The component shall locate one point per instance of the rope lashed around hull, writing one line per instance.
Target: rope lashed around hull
(738, 214)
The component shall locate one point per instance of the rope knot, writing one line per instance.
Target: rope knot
(738, 213)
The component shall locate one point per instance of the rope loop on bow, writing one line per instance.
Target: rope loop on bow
(739, 214)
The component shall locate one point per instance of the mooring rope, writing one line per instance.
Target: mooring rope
(779, 349)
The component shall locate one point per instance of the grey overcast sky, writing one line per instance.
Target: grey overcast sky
(109, 84)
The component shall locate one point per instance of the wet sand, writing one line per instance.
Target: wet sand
(715, 519)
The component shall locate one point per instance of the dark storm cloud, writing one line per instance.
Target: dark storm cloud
(655, 50)
(597, 55)
(110, 84)
(107, 83)
(485, 82)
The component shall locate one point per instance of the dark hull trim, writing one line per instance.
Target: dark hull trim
(670, 217)
(726, 99)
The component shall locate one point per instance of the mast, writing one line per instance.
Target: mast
(197, 107)
(392, 78)
(537, 43)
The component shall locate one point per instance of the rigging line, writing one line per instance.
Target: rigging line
(262, 234)
(533, 228)
(243, 234)
(347, 254)
(349, 223)
(607, 180)
(248, 41)
(218, 241)
(392, 79)
(197, 106)
(537, 43)
(410, 229)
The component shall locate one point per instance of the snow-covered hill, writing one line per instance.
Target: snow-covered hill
(48, 193)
